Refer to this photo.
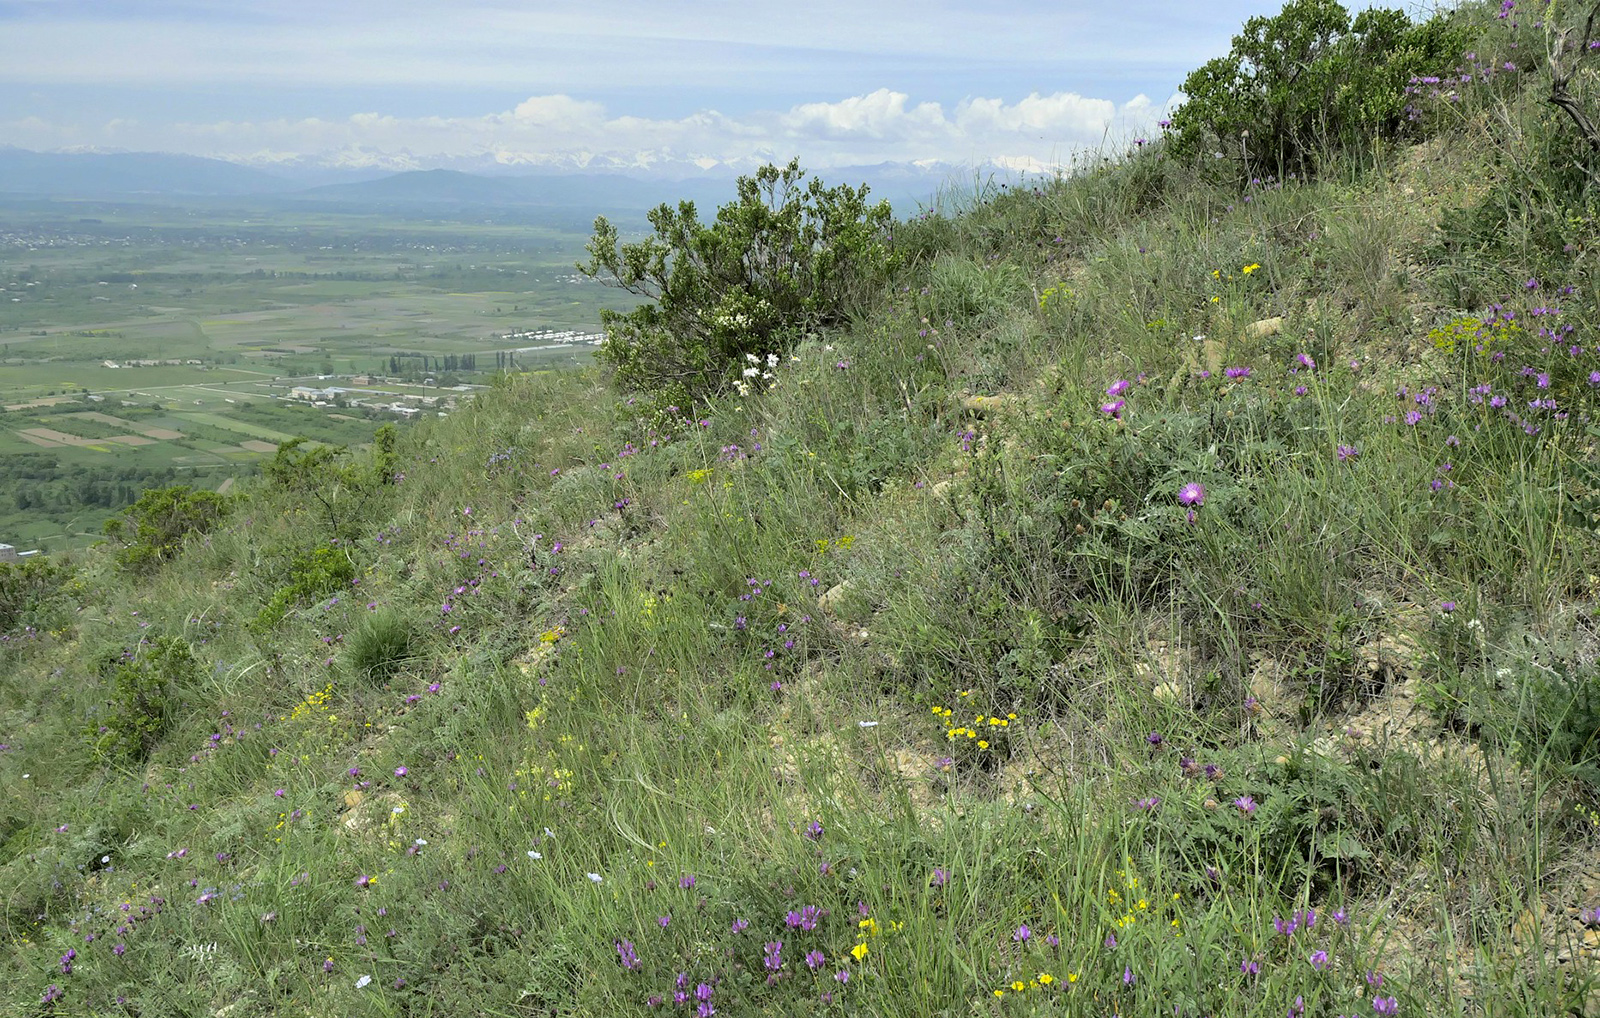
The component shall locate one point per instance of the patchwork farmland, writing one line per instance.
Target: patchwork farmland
(144, 344)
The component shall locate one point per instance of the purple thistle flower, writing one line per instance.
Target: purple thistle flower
(1114, 408)
(1237, 372)
(1118, 387)
(1193, 493)
(1245, 804)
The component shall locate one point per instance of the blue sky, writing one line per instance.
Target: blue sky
(835, 82)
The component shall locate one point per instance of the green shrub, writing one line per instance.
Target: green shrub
(781, 261)
(26, 587)
(145, 684)
(337, 490)
(1300, 89)
(153, 529)
(313, 575)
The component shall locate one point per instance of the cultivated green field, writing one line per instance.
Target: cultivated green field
(190, 325)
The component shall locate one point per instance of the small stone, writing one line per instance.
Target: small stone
(1265, 327)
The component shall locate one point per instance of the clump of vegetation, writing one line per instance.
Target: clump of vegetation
(379, 647)
(29, 587)
(145, 686)
(728, 300)
(312, 575)
(1310, 88)
(153, 529)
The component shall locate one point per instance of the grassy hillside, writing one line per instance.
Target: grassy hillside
(1173, 592)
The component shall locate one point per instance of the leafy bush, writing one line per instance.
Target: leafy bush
(1301, 88)
(153, 529)
(313, 575)
(25, 587)
(145, 684)
(338, 490)
(782, 260)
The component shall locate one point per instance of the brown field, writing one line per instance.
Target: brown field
(50, 437)
(164, 434)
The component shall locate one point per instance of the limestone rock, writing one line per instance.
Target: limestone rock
(1265, 327)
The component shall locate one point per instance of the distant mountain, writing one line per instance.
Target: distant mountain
(85, 174)
(566, 191)
(498, 179)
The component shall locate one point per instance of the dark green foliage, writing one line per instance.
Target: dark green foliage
(786, 258)
(313, 575)
(1301, 89)
(337, 490)
(26, 587)
(152, 530)
(145, 684)
(380, 646)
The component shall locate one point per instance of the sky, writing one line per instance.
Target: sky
(650, 83)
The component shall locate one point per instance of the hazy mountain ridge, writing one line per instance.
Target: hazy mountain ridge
(405, 178)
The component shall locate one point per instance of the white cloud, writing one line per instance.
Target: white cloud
(881, 126)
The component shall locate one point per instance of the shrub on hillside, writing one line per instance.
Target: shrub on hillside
(26, 587)
(338, 490)
(312, 575)
(784, 259)
(153, 529)
(1300, 89)
(144, 687)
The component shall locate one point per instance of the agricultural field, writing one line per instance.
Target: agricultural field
(144, 344)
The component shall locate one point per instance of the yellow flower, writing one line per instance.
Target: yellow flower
(1251, 268)
(1046, 978)
(860, 951)
(1018, 986)
(983, 743)
(999, 993)
(1072, 977)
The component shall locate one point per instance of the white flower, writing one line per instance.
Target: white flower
(364, 980)
(772, 360)
(752, 358)
(751, 372)
(534, 855)
(549, 833)
(867, 724)
(595, 877)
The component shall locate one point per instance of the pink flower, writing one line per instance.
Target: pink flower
(1193, 493)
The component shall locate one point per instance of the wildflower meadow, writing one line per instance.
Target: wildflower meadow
(1166, 588)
